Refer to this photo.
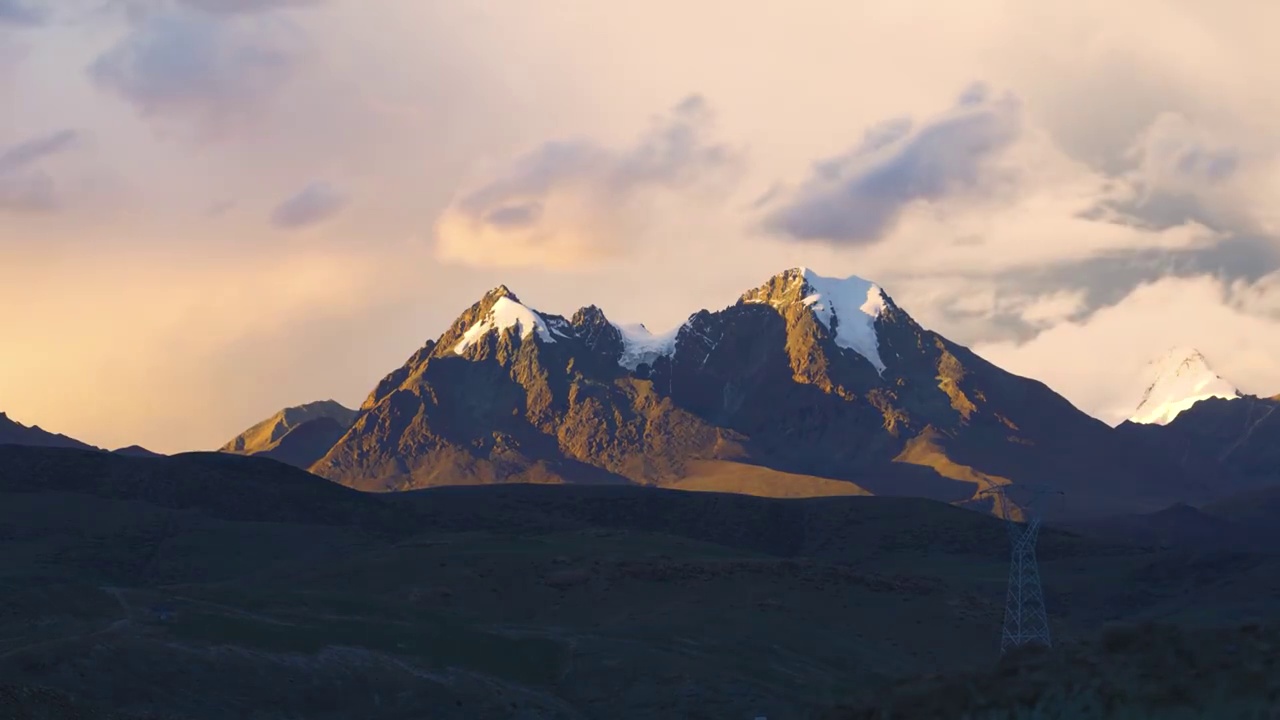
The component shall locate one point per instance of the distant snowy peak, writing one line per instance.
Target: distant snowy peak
(1175, 382)
(848, 307)
(505, 311)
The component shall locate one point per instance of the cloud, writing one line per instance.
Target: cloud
(1064, 240)
(1174, 154)
(23, 154)
(1260, 297)
(857, 197)
(419, 99)
(214, 73)
(25, 188)
(247, 6)
(314, 204)
(1106, 354)
(20, 12)
(1177, 172)
(572, 203)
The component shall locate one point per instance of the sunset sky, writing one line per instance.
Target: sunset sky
(212, 209)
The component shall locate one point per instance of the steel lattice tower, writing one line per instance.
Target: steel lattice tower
(1025, 620)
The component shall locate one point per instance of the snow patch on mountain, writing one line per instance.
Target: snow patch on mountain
(641, 346)
(506, 313)
(849, 307)
(1175, 382)
(560, 326)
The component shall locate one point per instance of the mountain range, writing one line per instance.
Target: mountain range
(807, 385)
(13, 432)
(804, 380)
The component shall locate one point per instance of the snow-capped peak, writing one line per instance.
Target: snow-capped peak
(506, 312)
(641, 346)
(1175, 382)
(847, 306)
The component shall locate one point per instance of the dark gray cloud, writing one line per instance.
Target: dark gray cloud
(1108, 279)
(673, 151)
(312, 205)
(213, 72)
(1103, 281)
(1156, 210)
(23, 12)
(1175, 173)
(858, 196)
(520, 215)
(24, 187)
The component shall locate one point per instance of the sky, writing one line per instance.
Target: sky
(212, 209)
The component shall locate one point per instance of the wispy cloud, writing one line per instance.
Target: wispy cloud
(24, 187)
(571, 202)
(30, 151)
(314, 204)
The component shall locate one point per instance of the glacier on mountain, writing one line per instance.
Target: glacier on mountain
(849, 307)
(641, 346)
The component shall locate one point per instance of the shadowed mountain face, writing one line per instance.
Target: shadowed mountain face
(136, 451)
(222, 485)
(1245, 522)
(1233, 443)
(295, 436)
(804, 376)
(15, 433)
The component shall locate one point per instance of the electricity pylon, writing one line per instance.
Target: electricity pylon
(1025, 619)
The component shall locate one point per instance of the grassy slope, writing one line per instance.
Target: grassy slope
(549, 602)
(1131, 672)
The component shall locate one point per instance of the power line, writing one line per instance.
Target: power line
(1026, 622)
